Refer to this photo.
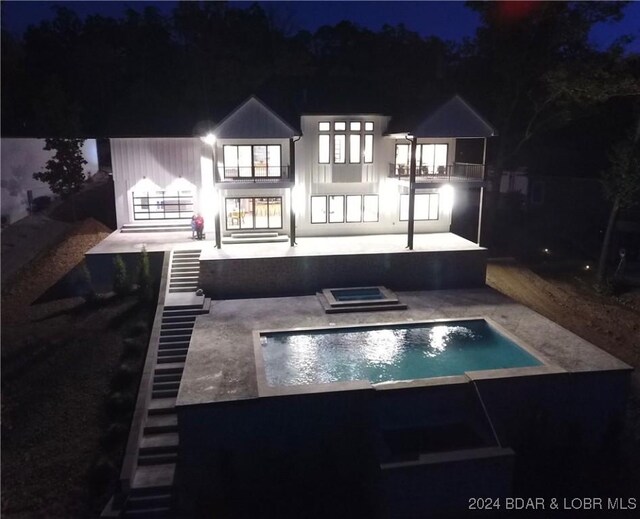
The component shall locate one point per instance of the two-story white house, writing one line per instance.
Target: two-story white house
(255, 174)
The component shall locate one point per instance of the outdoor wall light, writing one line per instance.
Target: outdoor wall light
(446, 197)
(209, 139)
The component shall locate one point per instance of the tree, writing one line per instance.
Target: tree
(532, 68)
(622, 186)
(145, 281)
(120, 281)
(64, 172)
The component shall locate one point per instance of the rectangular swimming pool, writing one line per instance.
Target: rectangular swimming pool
(385, 353)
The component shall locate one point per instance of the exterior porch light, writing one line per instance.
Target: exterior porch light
(209, 139)
(446, 197)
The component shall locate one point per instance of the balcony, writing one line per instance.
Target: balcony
(458, 172)
(254, 175)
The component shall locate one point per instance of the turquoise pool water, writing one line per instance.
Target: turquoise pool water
(388, 353)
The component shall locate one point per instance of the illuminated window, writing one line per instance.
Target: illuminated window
(368, 148)
(323, 149)
(318, 209)
(368, 126)
(354, 148)
(253, 213)
(252, 161)
(339, 145)
(426, 206)
(355, 126)
(341, 208)
(324, 126)
(340, 126)
(162, 205)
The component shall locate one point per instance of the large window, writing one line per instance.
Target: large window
(252, 161)
(353, 140)
(344, 208)
(162, 205)
(431, 159)
(253, 213)
(427, 206)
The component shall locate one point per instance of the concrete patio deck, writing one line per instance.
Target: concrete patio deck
(221, 363)
(123, 243)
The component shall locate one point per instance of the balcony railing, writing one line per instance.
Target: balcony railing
(253, 174)
(451, 172)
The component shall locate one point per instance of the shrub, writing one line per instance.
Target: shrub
(123, 377)
(119, 405)
(87, 290)
(132, 347)
(145, 289)
(102, 471)
(120, 283)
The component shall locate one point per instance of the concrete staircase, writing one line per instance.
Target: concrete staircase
(152, 486)
(185, 269)
(158, 226)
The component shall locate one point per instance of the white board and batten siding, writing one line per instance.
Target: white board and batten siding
(152, 165)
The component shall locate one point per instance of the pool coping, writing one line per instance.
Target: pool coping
(265, 390)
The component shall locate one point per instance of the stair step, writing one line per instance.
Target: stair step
(153, 479)
(169, 377)
(183, 282)
(181, 308)
(155, 443)
(182, 290)
(169, 367)
(184, 325)
(254, 235)
(170, 332)
(185, 261)
(162, 405)
(172, 359)
(166, 386)
(179, 319)
(173, 345)
(176, 338)
(149, 502)
(184, 277)
(161, 394)
(172, 352)
(158, 459)
(161, 423)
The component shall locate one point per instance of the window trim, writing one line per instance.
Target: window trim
(160, 197)
(327, 218)
(253, 164)
(437, 195)
(253, 205)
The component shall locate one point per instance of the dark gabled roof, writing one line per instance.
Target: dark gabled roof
(454, 118)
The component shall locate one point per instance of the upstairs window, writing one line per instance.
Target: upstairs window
(349, 139)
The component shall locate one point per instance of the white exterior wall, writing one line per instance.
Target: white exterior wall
(157, 164)
(313, 178)
(21, 158)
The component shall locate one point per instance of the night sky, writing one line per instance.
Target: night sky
(447, 20)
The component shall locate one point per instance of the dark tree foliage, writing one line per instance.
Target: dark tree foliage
(64, 171)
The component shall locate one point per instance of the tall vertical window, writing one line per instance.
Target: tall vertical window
(339, 151)
(368, 148)
(356, 142)
(336, 208)
(318, 209)
(323, 148)
(354, 148)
